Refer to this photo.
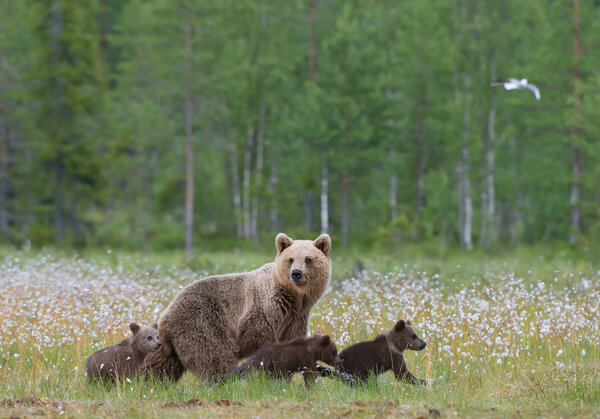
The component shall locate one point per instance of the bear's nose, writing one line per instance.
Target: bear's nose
(296, 275)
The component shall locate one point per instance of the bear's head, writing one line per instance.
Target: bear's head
(323, 349)
(145, 338)
(403, 337)
(303, 264)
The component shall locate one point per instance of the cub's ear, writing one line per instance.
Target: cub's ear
(282, 242)
(134, 327)
(154, 326)
(398, 327)
(317, 333)
(325, 340)
(408, 323)
(323, 243)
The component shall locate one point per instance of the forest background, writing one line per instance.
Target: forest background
(152, 125)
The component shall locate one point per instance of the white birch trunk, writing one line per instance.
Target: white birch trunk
(575, 192)
(272, 185)
(483, 227)
(324, 202)
(189, 190)
(467, 236)
(490, 212)
(237, 197)
(465, 205)
(393, 196)
(345, 211)
(258, 175)
(246, 181)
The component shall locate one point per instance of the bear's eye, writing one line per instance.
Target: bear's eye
(308, 261)
(291, 260)
(149, 337)
(414, 336)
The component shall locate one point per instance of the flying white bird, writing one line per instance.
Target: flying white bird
(514, 84)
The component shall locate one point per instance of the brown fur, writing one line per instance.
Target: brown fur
(382, 354)
(216, 321)
(124, 359)
(282, 360)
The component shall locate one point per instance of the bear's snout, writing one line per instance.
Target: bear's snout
(158, 345)
(419, 347)
(297, 276)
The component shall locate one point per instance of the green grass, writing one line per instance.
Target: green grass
(509, 335)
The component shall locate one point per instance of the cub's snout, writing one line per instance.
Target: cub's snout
(419, 346)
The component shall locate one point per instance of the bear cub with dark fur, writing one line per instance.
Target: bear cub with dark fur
(382, 354)
(125, 358)
(283, 359)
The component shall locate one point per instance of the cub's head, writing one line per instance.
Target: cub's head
(404, 337)
(145, 338)
(303, 264)
(323, 348)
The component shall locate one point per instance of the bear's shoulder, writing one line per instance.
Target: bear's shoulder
(124, 343)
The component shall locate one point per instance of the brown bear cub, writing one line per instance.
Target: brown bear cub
(382, 354)
(124, 359)
(282, 360)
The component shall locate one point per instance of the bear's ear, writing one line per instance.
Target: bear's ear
(325, 340)
(408, 323)
(398, 327)
(154, 326)
(323, 243)
(282, 242)
(134, 327)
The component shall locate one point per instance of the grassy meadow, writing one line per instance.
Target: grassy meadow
(516, 334)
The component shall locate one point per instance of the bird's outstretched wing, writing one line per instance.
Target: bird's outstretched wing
(534, 89)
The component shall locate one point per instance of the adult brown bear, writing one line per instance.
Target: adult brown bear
(216, 321)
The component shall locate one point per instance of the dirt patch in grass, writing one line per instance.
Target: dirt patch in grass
(33, 401)
(194, 402)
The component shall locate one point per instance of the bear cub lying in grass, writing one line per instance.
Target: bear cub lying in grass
(282, 360)
(382, 354)
(124, 359)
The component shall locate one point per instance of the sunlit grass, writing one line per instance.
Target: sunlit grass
(499, 341)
